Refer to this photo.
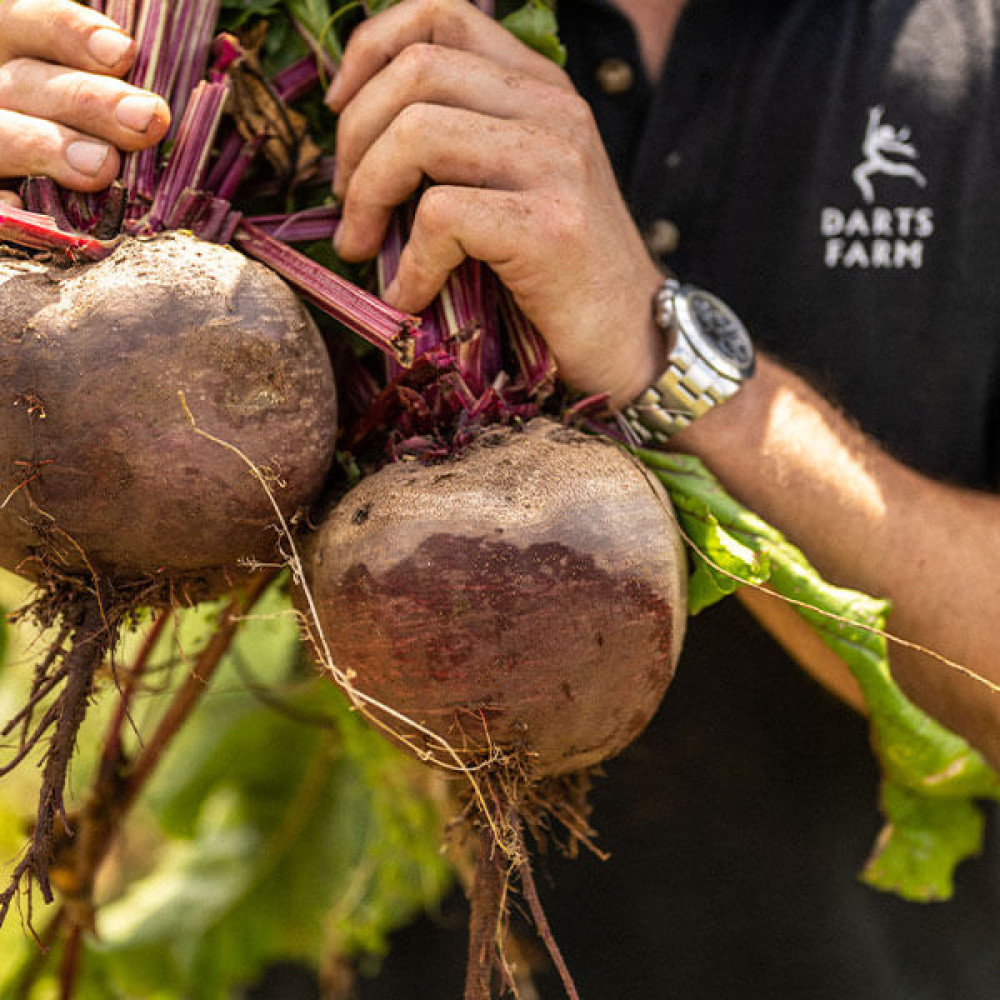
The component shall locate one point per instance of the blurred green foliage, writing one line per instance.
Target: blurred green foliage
(279, 826)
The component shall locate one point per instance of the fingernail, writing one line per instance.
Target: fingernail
(108, 47)
(87, 157)
(136, 111)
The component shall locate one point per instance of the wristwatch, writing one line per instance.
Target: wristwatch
(710, 358)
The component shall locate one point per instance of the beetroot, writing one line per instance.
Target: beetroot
(100, 467)
(518, 609)
(110, 497)
(528, 594)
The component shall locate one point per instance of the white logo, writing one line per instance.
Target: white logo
(879, 237)
(880, 142)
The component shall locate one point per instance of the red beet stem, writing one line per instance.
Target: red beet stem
(30, 229)
(189, 159)
(388, 329)
(307, 226)
(298, 79)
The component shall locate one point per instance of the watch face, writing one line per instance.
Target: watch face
(716, 332)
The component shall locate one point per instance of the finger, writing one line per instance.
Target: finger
(75, 160)
(452, 223)
(448, 145)
(428, 74)
(63, 32)
(99, 106)
(10, 198)
(454, 24)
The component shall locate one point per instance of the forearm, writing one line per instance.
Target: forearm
(868, 522)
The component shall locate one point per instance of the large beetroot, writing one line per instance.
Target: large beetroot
(515, 610)
(99, 464)
(527, 595)
(112, 497)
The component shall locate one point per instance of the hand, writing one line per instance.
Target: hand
(63, 112)
(434, 88)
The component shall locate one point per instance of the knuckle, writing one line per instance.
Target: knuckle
(433, 214)
(445, 18)
(83, 104)
(433, 10)
(13, 76)
(411, 124)
(574, 111)
(416, 61)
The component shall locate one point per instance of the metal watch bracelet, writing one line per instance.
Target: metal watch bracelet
(689, 386)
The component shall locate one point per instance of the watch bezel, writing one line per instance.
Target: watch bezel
(685, 319)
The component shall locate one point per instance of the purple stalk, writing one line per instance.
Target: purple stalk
(233, 177)
(229, 149)
(122, 12)
(139, 170)
(298, 79)
(226, 50)
(189, 159)
(41, 196)
(191, 34)
(83, 210)
(307, 226)
(534, 360)
(388, 329)
(467, 308)
(227, 234)
(211, 219)
(429, 334)
(30, 229)
(189, 209)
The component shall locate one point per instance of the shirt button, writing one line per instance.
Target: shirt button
(662, 237)
(614, 76)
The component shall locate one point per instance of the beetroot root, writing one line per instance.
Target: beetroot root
(528, 595)
(101, 471)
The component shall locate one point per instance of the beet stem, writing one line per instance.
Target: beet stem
(41, 232)
(386, 328)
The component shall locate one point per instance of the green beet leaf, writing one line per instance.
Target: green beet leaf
(535, 25)
(921, 843)
(931, 776)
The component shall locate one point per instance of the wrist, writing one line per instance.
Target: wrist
(708, 356)
(647, 364)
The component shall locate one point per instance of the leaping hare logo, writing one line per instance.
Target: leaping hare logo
(882, 141)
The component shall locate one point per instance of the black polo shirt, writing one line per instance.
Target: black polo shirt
(830, 167)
